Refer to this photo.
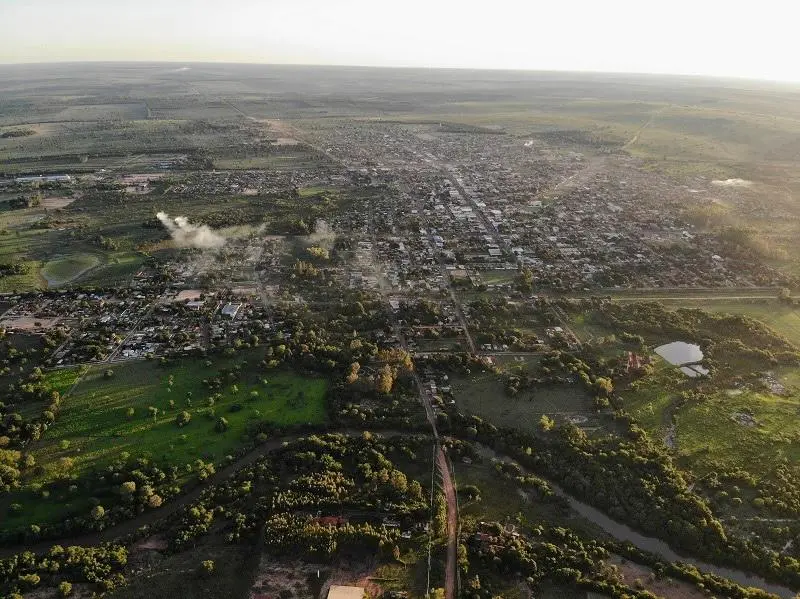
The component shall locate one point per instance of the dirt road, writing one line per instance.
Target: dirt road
(452, 524)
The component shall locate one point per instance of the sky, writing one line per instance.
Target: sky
(731, 38)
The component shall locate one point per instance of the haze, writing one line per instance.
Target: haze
(751, 40)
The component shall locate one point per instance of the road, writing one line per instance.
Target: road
(452, 525)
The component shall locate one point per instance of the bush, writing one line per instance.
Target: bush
(207, 567)
(183, 418)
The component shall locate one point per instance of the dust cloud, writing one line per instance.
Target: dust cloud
(185, 234)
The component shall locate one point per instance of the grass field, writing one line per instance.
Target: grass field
(95, 425)
(708, 437)
(60, 271)
(650, 402)
(93, 428)
(120, 268)
(484, 396)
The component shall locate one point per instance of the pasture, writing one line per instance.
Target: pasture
(63, 270)
(106, 416)
(483, 395)
(753, 431)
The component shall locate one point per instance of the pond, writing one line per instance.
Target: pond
(679, 353)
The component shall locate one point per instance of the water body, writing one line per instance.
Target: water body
(679, 353)
(622, 532)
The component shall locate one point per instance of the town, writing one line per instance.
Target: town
(274, 344)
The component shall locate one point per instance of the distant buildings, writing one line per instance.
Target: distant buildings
(44, 179)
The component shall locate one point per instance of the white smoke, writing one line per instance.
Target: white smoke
(323, 233)
(185, 234)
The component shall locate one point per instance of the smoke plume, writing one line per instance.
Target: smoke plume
(185, 234)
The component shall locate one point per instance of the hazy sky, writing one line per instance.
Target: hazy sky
(742, 38)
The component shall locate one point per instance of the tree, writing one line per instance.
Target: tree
(604, 386)
(207, 567)
(183, 418)
(65, 589)
(546, 423)
(130, 413)
(128, 488)
(222, 425)
(98, 512)
(108, 373)
(384, 380)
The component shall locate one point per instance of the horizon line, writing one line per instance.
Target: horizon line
(731, 78)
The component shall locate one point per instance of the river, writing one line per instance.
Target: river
(621, 532)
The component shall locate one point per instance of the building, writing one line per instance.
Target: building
(44, 179)
(231, 310)
(342, 592)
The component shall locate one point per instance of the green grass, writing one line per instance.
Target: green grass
(649, 401)
(60, 271)
(121, 267)
(779, 317)
(312, 191)
(484, 396)
(707, 436)
(94, 423)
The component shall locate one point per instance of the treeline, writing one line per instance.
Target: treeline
(61, 566)
(315, 496)
(634, 481)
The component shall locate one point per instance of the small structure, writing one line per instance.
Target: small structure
(342, 592)
(634, 362)
(230, 310)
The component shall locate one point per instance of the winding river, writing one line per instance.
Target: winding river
(621, 532)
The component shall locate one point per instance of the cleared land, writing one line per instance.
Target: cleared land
(484, 396)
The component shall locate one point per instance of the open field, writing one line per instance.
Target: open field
(484, 396)
(95, 426)
(60, 271)
(708, 437)
(94, 421)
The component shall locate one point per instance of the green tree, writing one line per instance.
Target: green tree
(207, 567)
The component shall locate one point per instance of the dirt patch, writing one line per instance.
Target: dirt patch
(154, 543)
(55, 203)
(28, 323)
(354, 574)
(642, 577)
(286, 579)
